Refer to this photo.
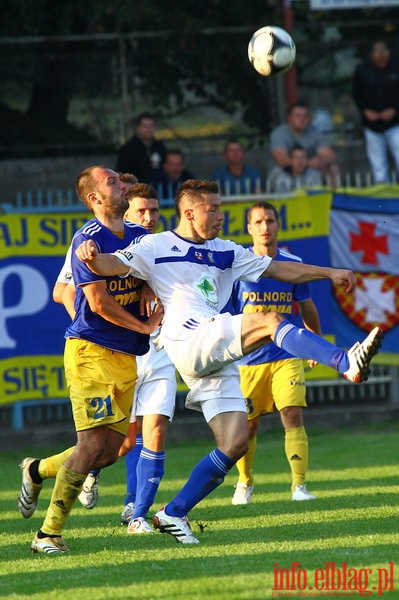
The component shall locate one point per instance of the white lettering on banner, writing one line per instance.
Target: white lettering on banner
(33, 298)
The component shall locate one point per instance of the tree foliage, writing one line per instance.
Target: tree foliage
(179, 54)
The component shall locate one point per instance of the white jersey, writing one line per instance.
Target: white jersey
(192, 280)
(65, 275)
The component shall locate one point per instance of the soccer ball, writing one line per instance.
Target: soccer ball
(271, 50)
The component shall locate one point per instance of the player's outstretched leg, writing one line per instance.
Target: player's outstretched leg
(360, 356)
(353, 365)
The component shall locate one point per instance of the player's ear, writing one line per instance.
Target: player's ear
(189, 214)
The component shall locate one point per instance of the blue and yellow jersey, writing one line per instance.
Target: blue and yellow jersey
(269, 295)
(90, 326)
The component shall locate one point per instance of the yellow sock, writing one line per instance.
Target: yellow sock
(297, 452)
(48, 467)
(244, 464)
(67, 487)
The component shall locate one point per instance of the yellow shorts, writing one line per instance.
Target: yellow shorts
(273, 385)
(101, 385)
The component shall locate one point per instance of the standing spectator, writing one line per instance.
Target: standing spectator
(271, 378)
(172, 175)
(298, 175)
(142, 155)
(376, 94)
(236, 177)
(298, 131)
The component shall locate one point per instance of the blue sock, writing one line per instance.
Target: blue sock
(132, 458)
(206, 476)
(305, 344)
(95, 472)
(150, 470)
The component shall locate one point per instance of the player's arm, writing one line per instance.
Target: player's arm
(58, 291)
(68, 299)
(298, 272)
(103, 304)
(102, 264)
(310, 316)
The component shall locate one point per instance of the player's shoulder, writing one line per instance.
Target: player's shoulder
(135, 233)
(283, 254)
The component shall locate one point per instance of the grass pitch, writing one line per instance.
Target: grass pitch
(346, 543)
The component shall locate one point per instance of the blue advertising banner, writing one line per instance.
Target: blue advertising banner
(32, 251)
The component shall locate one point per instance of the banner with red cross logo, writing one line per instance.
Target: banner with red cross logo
(364, 237)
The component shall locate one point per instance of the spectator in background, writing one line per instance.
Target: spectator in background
(236, 177)
(172, 175)
(298, 130)
(142, 155)
(297, 175)
(376, 94)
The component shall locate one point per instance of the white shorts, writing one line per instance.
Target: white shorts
(206, 362)
(155, 391)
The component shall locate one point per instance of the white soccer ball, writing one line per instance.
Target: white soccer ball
(271, 50)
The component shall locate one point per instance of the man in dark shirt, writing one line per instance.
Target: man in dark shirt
(142, 155)
(172, 175)
(376, 94)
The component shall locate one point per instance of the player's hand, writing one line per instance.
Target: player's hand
(147, 299)
(87, 251)
(312, 363)
(156, 317)
(344, 277)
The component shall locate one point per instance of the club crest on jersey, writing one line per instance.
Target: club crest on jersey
(210, 257)
(374, 302)
(207, 287)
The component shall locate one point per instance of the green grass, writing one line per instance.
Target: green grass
(353, 521)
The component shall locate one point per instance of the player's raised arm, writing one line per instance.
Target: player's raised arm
(297, 272)
(102, 264)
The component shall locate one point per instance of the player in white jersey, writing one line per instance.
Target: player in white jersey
(192, 273)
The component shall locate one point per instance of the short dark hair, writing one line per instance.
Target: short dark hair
(232, 140)
(194, 189)
(143, 190)
(128, 178)
(265, 206)
(298, 104)
(297, 147)
(144, 115)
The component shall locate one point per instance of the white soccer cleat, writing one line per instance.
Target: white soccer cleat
(360, 356)
(127, 513)
(179, 527)
(88, 497)
(301, 493)
(242, 494)
(49, 545)
(30, 491)
(139, 525)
